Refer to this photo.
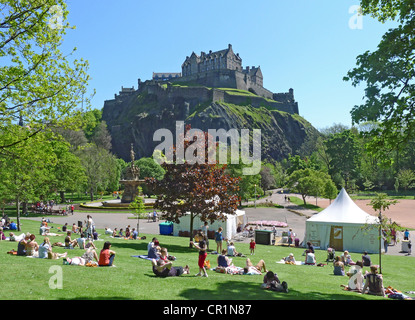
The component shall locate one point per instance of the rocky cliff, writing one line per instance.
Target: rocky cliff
(133, 117)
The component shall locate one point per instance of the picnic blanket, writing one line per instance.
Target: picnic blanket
(297, 263)
(143, 257)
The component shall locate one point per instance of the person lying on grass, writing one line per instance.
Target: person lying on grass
(257, 269)
(164, 269)
(272, 282)
(87, 259)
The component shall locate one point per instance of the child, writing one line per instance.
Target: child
(290, 259)
(202, 255)
(330, 255)
(219, 240)
(252, 246)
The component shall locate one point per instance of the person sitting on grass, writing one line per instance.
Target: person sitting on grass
(154, 250)
(74, 228)
(90, 255)
(81, 241)
(374, 282)
(347, 259)
(32, 247)
(367, 261)
(45, 251)
(134, 234)
(69, 243)
(106, 256)
(223, 260)
(2, 235)
(231, 249)
(355, 278)
(310, 258)
(21, 246)
(331, 253)
(272, 282)
(338, 267)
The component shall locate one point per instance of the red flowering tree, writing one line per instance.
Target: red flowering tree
(200, 188)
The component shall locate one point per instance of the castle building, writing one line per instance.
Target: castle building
(219, 61)
(223, 69)
(219, 70)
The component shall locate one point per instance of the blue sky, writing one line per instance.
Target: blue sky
(301, 44)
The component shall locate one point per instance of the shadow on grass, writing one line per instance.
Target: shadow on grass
(240, 290)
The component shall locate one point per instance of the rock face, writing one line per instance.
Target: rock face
(133, 117)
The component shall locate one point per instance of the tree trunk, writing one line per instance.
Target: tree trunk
(62, 194)
(92, 194)
(18, 213)
(24, 208)
(191, 228)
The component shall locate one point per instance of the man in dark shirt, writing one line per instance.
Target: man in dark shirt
(367, 262)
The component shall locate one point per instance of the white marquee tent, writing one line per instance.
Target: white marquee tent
(229, 226)
(343, 226)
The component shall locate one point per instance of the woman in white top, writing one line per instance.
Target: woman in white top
(355, 278)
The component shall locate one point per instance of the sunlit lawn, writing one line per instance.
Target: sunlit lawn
(132, 278)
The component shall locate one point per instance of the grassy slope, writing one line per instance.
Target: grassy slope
(133, 278)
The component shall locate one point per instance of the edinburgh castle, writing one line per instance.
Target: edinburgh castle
(208, 73)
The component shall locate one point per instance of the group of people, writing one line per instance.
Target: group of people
(129, 233)
(371, 282)
(30, 248)
(87, 228)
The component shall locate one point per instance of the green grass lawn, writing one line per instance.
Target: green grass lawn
(300, 202)
(133, 279)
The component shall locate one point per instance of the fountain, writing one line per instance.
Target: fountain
(131, 183)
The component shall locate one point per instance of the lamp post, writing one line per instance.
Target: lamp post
(255, 197)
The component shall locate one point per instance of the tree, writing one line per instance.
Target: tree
(406, 178)
(101, 136)
(201, 189)
(389, 75)
(138, 206)
(149, 168)
(102, 170)
(67, 174)
(309, 182)
(329, 190)
(39, 84)
(26, 176)
(267, 178)
(344, 152)
(379, 203)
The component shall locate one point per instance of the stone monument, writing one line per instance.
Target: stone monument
(131, 181)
